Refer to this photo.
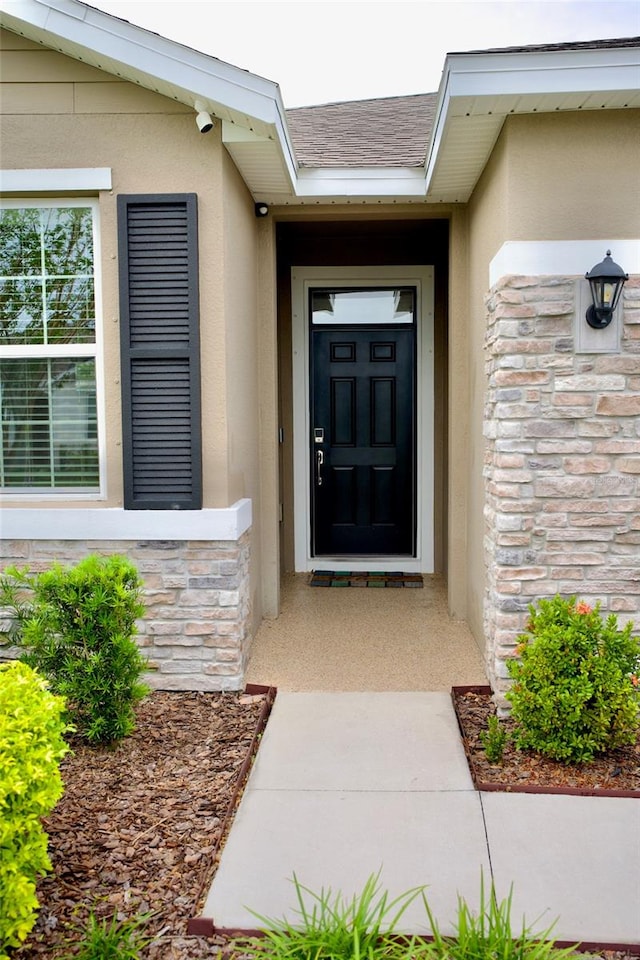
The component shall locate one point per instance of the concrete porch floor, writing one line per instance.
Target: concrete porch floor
(364, 639)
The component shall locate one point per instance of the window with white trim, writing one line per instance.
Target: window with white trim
(48, 348)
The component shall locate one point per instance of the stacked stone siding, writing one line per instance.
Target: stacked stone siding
(562, 461)
(195, 631)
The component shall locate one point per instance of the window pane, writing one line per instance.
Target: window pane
(20, 243)
(375, 305)
(67, 234)
(46, 258)
(49, 424)
(21, 319)
(70, 311)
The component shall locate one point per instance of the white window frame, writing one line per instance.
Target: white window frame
(93, 351)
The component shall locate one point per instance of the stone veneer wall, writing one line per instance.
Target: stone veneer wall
(562, 461)
(196, 628)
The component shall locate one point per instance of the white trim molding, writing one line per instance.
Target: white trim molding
(69, 180)
(113, 523)
(377, 182)
(539, 258)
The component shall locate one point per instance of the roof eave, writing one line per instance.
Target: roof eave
(479, 91)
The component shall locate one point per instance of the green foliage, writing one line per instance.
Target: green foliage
(494, 740)
(335, 929)
(574, 693)
(113, 939)
(77, 628)
(490, 934)
(31, 747)
(367, 928)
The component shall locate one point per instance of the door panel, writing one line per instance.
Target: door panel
(363, 440)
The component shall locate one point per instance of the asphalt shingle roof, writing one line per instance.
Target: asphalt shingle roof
(391, 132)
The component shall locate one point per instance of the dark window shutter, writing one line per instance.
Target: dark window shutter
(160, 351)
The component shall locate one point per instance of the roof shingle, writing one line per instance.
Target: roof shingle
(389, 132)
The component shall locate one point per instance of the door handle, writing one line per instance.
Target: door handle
(319, 462)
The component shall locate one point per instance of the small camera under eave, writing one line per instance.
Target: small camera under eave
(204, 121)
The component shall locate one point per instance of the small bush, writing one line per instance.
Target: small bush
(31, 747)
(573, 694)
(77, 628)
(494, 740)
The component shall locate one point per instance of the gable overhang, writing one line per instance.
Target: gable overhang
(480, 90)
(250, 107)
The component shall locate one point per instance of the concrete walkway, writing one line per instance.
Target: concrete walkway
(347, 784)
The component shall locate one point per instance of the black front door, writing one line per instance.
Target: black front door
(363, 440)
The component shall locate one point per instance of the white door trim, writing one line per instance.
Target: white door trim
(302, 279)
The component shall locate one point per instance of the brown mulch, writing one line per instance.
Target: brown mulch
(615, 773)
(138, 825)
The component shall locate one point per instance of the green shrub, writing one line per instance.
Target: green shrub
(573, 694)
(31, 747)
(494, 740)
(77, 628)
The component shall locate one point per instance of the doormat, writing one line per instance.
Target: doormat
(358, 578)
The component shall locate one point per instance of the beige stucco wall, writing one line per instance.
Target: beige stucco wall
(561, 176)
(573, 176)
(487, 230)
(241, 352)
(85, 118)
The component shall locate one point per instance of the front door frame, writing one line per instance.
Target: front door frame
(302, 279)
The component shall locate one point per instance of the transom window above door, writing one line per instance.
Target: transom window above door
(373, 305)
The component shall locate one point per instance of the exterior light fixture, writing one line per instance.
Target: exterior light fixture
(261, 209)
(606, 280)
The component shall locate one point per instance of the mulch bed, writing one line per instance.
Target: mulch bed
(614, 774)
(138, 827)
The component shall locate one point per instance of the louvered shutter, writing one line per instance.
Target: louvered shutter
(160, 351)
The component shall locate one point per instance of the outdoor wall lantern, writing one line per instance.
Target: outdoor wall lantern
(606, 280)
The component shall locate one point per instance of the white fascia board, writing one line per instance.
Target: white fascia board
(145, 56)
(588, 71)
(112, 523)
(539, 258)
(361, 182)
(492, 74)
(70, 180)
